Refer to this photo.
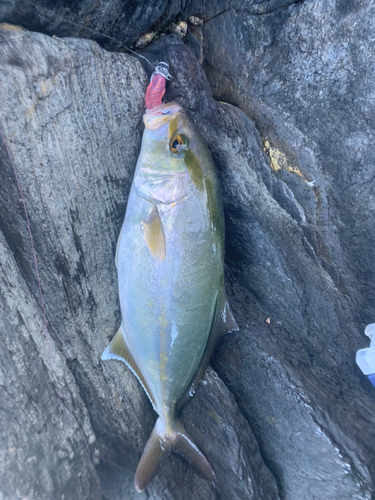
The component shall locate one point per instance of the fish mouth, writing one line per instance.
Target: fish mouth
(156, 117)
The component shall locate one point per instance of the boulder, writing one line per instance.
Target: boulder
(111, 23)
(73, 427)
(283, 93)
(286, 264)
(300, 243)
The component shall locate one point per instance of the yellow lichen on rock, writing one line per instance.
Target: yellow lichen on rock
(278, 160)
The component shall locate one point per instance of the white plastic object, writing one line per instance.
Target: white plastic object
(365, 358)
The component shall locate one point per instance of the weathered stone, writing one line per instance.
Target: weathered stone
(304, 75)
(276, 222)
(71, 114)
(293, 142)
(111, 23)
(228, 441)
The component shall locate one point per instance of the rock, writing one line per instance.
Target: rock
(71, 114)
(301, 445)
(219, 429)
(285, 104)
(117, 481)
(180, 29)
(300, 247)
(112, 23)
(299, 372)
(145, 40)
(195, 21)
(228, 441)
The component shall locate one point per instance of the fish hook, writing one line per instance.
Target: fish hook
(162, 68)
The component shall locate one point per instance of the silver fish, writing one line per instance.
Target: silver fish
(170, 259)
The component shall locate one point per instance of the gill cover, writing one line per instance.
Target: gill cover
(162, 177)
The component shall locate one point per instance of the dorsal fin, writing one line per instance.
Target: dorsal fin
(153, 234)
(223, 321)
(117, 349)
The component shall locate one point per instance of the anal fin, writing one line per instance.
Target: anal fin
(223, 321)
(117, 349)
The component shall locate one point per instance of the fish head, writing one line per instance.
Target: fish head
(173, 156)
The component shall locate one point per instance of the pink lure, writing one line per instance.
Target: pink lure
(156, 88)
(155, 92)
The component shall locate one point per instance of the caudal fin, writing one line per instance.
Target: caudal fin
(162, 441)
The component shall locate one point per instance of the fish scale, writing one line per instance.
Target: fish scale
(170, 262)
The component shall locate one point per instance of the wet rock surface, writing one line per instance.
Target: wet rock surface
(282, 92)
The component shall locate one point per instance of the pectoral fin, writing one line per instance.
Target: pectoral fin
(153, 234)
(117, 349)
(223, 321)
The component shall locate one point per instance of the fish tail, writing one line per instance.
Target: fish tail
(162, 441)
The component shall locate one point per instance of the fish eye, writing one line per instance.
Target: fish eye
(178, 144)
(174, 145)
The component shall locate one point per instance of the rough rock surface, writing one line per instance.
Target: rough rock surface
(64, 112)
(291, 131)
(276, 272)
(111, 23)
(304, 74)
(114, 23)
(72, 116)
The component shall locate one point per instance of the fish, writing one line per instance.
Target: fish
(170, 264)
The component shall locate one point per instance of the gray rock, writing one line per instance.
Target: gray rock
(71, 115)
(278, 268)
(116, 23)
(112, 23)
(301, 252)
(228, 441)
(295, 434)
(285, 103)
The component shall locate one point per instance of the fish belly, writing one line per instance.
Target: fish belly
(168, 306)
